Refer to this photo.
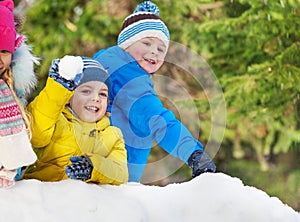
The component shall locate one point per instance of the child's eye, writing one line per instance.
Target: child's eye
(146, 43)
(104, 95)
(4, 51)
(161, 50)
(86, 91)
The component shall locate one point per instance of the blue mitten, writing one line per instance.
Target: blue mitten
(67, 71)
(80, 169)
(200, 163)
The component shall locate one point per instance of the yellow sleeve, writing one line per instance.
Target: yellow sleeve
(44, 111)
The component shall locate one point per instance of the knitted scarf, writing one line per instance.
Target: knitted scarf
(11, 120)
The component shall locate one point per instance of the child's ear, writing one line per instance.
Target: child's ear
(108, 114)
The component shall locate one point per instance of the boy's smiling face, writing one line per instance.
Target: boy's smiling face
(149, 52)
(89, 101)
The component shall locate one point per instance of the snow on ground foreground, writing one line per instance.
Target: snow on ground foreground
(209, 198)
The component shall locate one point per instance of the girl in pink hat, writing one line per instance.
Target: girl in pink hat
(17, 79)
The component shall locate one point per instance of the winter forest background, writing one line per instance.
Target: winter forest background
(253, 49)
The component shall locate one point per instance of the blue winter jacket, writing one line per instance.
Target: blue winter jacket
(138, 112)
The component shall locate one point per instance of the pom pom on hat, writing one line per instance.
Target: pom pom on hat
(147, 6)
(144, 22)
(7, 26)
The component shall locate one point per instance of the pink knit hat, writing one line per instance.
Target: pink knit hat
(7, 26)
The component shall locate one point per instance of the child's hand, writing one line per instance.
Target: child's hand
(200, 163)
(7, 177)
(80, 169)
(67, 71)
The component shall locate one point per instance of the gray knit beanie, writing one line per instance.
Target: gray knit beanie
(94, 71)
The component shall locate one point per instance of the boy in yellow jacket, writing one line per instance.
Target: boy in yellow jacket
(71, 132)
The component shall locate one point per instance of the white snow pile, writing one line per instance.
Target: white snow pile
(209, 198)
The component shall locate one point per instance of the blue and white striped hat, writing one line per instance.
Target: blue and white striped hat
(144, 22)
(94, 71)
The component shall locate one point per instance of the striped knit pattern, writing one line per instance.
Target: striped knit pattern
(11, 121)
(94, 71)
(141, 25)
(90, 63)
(150, 25)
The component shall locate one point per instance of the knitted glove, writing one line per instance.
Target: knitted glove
(200, 163)
(67, 71)
(80, 169)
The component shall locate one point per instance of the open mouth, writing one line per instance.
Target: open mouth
(151, 61)
(92, 108)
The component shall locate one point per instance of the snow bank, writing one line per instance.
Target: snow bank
(209, 197)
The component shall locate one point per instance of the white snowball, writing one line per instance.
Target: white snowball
(70, 66)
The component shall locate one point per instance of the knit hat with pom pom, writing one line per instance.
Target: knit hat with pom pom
(23, 61)
(144, 22)
(7, 26)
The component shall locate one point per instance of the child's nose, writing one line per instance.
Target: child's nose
(95, 97)
(154, 50)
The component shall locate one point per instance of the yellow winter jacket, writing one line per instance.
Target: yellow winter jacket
(57, 135)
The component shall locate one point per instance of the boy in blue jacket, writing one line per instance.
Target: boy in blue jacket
(135, 107)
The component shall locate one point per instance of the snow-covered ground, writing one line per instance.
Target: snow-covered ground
(208, 198)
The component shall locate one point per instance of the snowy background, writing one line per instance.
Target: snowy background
(209, 197)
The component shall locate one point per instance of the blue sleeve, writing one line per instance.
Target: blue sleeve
(148, 116)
